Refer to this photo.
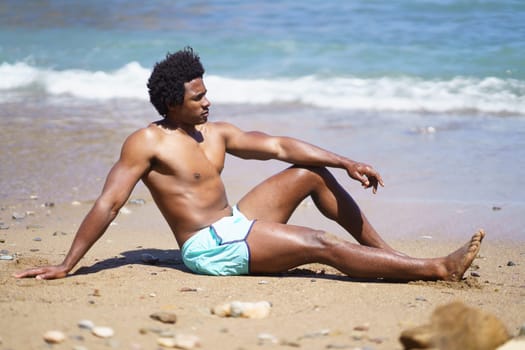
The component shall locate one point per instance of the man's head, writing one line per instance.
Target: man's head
(166, 83)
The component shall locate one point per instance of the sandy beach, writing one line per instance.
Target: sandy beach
(431, 95)
(314, 307)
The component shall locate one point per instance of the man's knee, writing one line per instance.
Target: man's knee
(311, 173)
(326, 240)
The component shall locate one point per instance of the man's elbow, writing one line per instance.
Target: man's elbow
(110, 206)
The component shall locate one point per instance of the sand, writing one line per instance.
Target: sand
(314, 307)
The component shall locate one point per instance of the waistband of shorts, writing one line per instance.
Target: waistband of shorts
(205, 230)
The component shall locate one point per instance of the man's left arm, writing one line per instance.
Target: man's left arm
(258, 145)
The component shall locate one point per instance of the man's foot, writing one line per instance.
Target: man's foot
(459, 261)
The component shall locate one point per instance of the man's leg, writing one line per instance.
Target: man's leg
(276, 247)
(276, 199)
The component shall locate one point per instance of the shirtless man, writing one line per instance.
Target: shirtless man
(180, 159)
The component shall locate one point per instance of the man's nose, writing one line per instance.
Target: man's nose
(206, 103)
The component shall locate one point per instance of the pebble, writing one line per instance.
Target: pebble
(164, 317)
(317, 334)
(6, 257)
(522, 331)
(259, 309)
(511, 263)
(33, 226)
(363, 328)
(54, 337)
(79, 347)
(137, 201)
(475, 274)
(56, 233)
(264, 338)
(18, 216)
(190, 289)
(102, 332)
(4, 226)
(180, 341)
(125, 211)
(37, 239)
(86, 324)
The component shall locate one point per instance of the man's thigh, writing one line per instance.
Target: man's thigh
(276, 198)
(276, 247)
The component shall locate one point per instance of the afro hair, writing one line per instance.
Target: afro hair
(166, 83)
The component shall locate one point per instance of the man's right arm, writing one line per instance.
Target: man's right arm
(134, 161)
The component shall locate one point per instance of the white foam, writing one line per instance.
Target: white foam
(487, 95)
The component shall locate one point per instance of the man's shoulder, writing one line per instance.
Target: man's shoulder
(222, 126)
(147, 136)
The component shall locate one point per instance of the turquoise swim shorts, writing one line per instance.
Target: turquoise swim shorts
(221, 248)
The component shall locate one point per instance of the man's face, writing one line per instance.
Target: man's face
(195, 107)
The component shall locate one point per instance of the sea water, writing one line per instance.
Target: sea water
(432, 93)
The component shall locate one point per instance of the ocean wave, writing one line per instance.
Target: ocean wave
(410, 94)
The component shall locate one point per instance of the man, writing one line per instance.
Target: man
(180, 159)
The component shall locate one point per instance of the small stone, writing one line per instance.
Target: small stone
(475, 274)
(522, 331)
(102, 332)
(56, 233)
(6, 257)
(511, 263)
(37, 239)
(496, 208)
(125, 211)
(33, 226)
(33, 196)
(54, 337)
(4, 226)
(362, 328)
(189, 289)
(317, 334)
(137, 201)
(180, 341)
(265, 338)
(164, 317)
(76, 203)
(49, 204)
(86, 324)
(260, 309)
(79, 347)
(18, 216)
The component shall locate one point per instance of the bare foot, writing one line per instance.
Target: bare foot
(459, 261)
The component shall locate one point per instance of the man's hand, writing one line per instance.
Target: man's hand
(365, 174)
(43, 273)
